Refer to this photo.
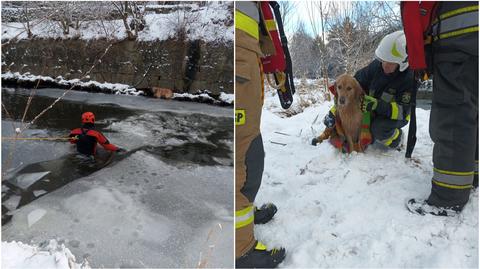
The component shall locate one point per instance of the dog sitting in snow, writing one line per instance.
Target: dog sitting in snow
(162, 93)
(351, 128)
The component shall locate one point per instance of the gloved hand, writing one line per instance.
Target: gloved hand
(121, 150)
(315, 141)
(369, 103)
(329, 120)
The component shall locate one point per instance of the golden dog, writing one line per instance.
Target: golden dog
(348, 113)
(162, 93)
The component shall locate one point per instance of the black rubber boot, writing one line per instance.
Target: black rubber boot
(422, 207)
(260, 257)
(265, 213)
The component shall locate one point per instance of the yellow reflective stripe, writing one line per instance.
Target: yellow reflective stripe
(243, 223)
(271, 25)
(457, 12)
(446, 172)
(244, 217)
(450, 186)
(457, 33)
(244, 211)
(260, 246)
(394, 136)
(394, 110)
(408, 117)
(246, 24)
(333, 110)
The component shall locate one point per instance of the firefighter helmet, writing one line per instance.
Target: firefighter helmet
(392, 49)
(88, 117)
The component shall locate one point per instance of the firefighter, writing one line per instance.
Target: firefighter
(388, 83)
(86, 137)
(442, 39)
(250, 43)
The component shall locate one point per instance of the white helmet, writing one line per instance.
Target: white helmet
(392, 49)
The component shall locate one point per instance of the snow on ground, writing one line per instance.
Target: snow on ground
(48, 255)
(338, 210)
(205, 23)
(223, 98)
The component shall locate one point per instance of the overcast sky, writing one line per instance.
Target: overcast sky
(303, 10)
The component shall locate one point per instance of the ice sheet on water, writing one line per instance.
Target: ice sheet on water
(136, 102)
(12, 202)
(162, 129)
(24, 181)
(35, 216)
(138, 212)
(39, 192)
(43, 150)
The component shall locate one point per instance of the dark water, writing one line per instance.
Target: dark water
(199, 153)
(65, 115)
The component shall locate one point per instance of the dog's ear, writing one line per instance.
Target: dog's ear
(358, 90)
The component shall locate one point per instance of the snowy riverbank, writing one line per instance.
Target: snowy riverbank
(337, 210)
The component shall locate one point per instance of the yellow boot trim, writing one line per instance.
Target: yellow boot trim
(450, 186)
(394, 136)
(260, 246)
(446, 172)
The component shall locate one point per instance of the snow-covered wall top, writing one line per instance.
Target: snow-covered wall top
(212, 22)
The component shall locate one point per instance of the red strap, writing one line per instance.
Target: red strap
(273, 63)
(413, 28)
(331, 88)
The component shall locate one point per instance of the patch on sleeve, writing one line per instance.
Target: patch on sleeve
(240, 116)
(406, 97)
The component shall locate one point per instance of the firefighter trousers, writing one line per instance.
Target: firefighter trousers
(454, 128)
(249, 153)
(387, 131)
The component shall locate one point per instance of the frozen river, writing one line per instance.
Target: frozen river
(167, 202)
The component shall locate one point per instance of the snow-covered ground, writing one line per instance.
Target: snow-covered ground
(48, 255)
(205, 23)
(337, 210)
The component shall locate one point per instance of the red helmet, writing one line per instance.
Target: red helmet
(88, 117)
